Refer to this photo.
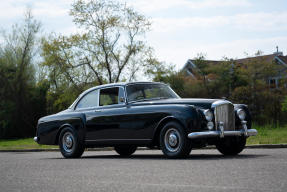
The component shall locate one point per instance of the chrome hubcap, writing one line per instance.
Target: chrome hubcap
(68, 142)
(172, 140)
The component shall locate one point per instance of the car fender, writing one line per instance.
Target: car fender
(186, 115)
(49, 127)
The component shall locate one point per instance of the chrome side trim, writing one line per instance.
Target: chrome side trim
(207, 134)
(119, 140)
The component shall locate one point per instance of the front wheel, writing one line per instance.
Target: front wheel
(173, 141)
(125, 150)
(70, 144)
(231, 145)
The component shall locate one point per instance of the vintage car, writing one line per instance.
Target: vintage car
(148, 114)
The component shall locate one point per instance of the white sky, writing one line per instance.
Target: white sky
(181, 28)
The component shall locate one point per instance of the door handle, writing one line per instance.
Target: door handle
(97, 110)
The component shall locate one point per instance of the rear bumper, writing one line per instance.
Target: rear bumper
(208, 134)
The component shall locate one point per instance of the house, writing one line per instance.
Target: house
(190, 68)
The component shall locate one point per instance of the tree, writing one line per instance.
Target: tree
(263, 101)
(284, 104)
(17, 75)
(110, 49)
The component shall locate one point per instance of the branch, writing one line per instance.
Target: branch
(106, 55)
(96, 73)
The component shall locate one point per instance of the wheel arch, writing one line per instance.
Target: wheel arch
(76, 123)
(160, 125)
(56, 142)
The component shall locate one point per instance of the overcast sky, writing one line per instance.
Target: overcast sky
(182, 28)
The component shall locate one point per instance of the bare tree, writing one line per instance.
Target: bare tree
(110, 49)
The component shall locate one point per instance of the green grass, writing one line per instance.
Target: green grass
(28, 143)
(269, 135)
(266, 135)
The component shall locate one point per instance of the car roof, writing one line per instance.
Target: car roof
(111, 85)
(118, 84)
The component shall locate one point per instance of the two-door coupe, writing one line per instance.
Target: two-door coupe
(128, 115)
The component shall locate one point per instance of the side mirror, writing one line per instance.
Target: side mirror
(122, 100)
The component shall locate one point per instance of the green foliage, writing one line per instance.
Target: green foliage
(109, 49)
(245, 83)
(284, 104)
(21, 99)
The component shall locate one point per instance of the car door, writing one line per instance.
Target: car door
(103, 123)
(113, 121)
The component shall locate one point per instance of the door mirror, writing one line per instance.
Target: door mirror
(122, 100)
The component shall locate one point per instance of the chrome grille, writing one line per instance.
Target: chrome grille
(224, 112)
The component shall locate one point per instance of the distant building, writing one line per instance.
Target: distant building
(190, 68)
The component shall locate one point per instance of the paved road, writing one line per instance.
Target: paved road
(204, 170)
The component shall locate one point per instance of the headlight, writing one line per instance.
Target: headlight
(208, 115)
(241, 114)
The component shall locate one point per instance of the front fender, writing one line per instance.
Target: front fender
(186, 115)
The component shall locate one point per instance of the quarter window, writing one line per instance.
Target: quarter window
(89, 100)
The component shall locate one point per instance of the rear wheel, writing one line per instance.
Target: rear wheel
(70, 144)
(173, 141)
(125, 150)
(231, 145)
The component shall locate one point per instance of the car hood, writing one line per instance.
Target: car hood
(202, 103)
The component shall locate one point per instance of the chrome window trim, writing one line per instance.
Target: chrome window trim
(148, 83)
(107, 106)
(75, 103)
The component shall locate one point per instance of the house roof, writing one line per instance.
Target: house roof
(283, 58)
(265, 58)
(207, 61)
(278, 56)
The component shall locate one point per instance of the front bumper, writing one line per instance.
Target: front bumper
(221, 134)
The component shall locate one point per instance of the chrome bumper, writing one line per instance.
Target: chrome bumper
(221, 134)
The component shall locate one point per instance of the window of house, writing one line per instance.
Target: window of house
(89, 100)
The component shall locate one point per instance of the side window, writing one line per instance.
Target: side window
(111, 96)
(89, 100)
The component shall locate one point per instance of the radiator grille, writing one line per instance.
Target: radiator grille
(225, 113)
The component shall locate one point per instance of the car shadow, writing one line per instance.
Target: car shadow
(162, 157)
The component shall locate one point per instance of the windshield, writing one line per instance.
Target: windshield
(140, 92)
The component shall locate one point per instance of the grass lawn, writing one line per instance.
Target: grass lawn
(269, 135)
(27, 143)
(266, 135)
